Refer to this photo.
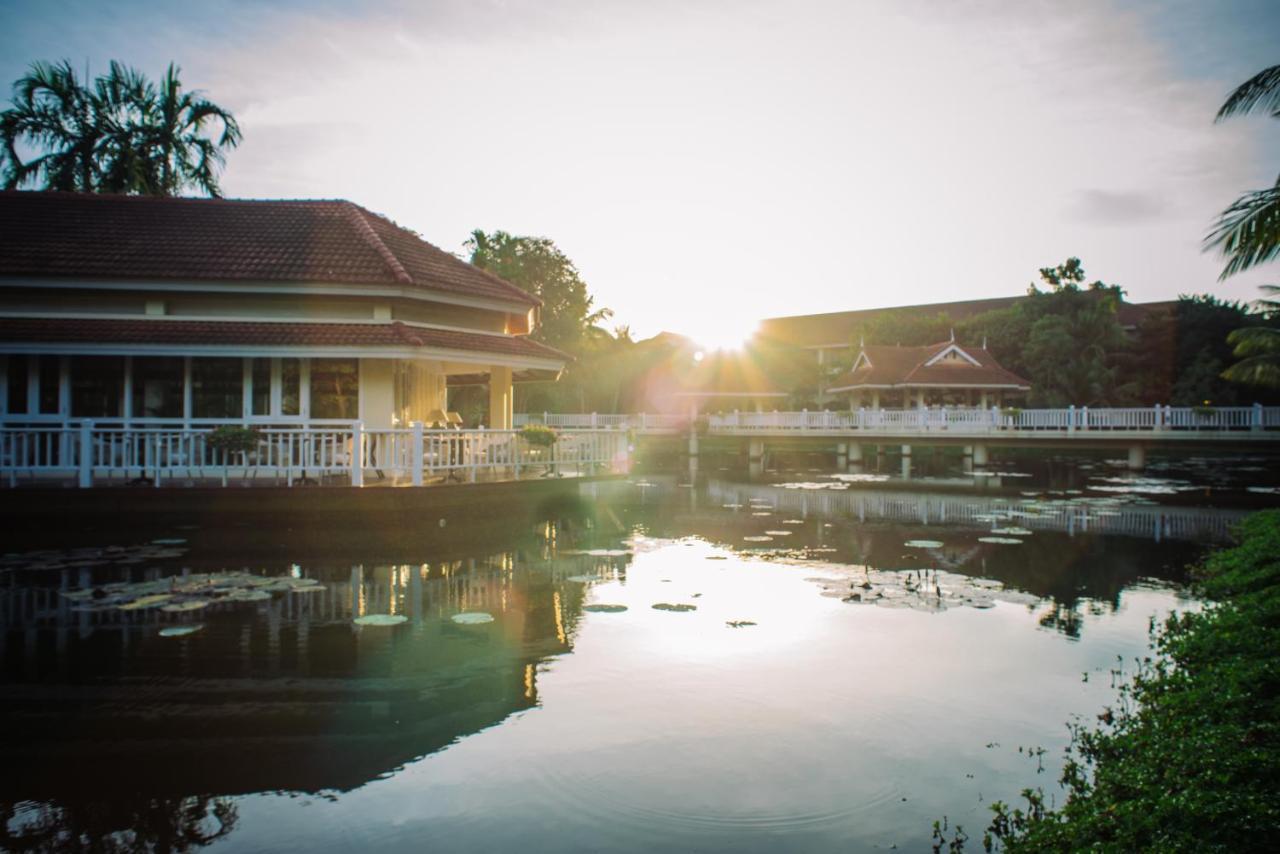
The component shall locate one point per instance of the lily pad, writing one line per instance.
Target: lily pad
(757, 539)
(605, 609)
(169, 541)
(248, 596)
(380, 620)
(472, 618)
(583, 579)
(1012, 532)
(180, 631)
(145, 602)
(667, 606)
(738, 624)
(923, 544)
(779, 533)
(309, 588)
(716, 557)
(188, 605)
(1000, 541)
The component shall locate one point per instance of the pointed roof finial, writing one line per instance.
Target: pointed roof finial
(953, 335)
(984, 342)
(862, 341)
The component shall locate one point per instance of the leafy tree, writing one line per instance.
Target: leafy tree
(1258, 348)
(123, 134)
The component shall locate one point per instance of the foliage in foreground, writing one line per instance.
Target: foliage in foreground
(1189, 759)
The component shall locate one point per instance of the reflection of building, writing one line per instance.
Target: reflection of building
(282, 695)
(945, 373)
(187, 312)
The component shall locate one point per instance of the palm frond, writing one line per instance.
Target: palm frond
(1261, 91)
(1248, 232)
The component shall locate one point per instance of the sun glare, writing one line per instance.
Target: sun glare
(724, 335)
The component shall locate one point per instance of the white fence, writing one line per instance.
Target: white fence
(291, 455)
(1071, 420)
(641, 422)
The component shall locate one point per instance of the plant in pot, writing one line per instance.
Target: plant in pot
(231, 439)
(539, 438)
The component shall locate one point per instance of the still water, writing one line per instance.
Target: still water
(834, 668)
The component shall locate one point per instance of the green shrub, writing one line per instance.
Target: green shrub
(233, 439)
(538, 435)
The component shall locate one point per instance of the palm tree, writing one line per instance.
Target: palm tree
(55, 113)
(1258, 348)
(178, 149)
(1248, 232)
(123, 135)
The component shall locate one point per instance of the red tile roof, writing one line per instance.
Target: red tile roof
(896, 366)
(198, 333)
(79, 235)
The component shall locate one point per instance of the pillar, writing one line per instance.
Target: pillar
(855, 457)
(968, 458)
(755, 457)
(906, 462)
(982, 401)
(501, 415)
(980, 455)
(1137, 458)
(377, 393)
(842, 456)
(875, 398)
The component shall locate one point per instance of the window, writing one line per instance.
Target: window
(17, 372)
(261, 372)
(97, 386)
(335, 388)
(217, 388)
(50, 371)
(290, 386)
(157, 388)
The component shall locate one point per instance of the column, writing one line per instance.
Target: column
(906, 462)
(1137, 458)
(377, 393)
(980, 455)
(501, 415)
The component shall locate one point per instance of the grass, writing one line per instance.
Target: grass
(1188, 759)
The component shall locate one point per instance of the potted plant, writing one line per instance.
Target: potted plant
(539, 438)
(232, 439)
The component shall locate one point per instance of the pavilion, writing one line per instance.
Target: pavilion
(936, 374)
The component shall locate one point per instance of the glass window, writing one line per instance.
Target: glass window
(261, 387)
(157, 388)
(17, 403)
(335, 388)
(217, 388)
(290, 386)
(50, 377)
(97, 386)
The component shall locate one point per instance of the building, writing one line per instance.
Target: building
(937, 374)
(195, 312)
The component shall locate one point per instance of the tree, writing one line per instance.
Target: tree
(1258, 348)
(123, 134)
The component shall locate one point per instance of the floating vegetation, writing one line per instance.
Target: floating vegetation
(583, 579)
(179, 593)
(180, 631)
(762, 513)
(915, 589)
(668, 606)
(605, 609)
(1264, 490)
(472, 618)
(170, 541)
(1000, 541)
(759, 538)
(380, 620)
(813, 485)
(717, 557)
(923, 544)
(1143, 485)
(793, 521)
(738, 624)
(732, 506)
(1012, 532)
(779, 533)
(597, 552)
(860, 478)
(94, 557)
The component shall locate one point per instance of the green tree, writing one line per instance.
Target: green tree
(123, 134)
(1258, 347)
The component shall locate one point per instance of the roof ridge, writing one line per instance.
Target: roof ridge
(358, 215)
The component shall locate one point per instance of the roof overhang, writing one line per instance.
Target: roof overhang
(891, 386)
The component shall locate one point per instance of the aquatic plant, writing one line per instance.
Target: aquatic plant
(380, 620)
(472, 618)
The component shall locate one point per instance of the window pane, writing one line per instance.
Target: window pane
(291, 387)
(217, 388)
(50, 375)
(261, 387)
(17, 385)
(157, 388)
(97, 386)
(335, 388)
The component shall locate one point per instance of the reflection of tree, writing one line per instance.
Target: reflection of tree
(1062, 618)
(159, 825)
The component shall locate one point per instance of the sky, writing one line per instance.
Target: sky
(707, 164)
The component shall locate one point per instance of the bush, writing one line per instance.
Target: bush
(1189, 760)
(538, 436)
(233, 439)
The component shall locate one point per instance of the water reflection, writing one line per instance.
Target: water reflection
(287, 695)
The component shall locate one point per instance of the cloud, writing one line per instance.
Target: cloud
(1116, 207)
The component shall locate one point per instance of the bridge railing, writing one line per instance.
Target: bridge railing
(644, 422)
(92, 455)
(979, 420)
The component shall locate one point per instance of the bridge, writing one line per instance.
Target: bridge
(1135, 429)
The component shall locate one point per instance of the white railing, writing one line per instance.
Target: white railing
(1151, 419)
(640, 422)
(94, 455)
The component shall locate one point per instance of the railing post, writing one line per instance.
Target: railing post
(476, 445)
(862, 414)
(416, 454)
(1158, 423)
(1257, 417)
(995, 421)
(1071, 418)
(86, 455)
(593, 421)
(357, 454)
(1084, 418)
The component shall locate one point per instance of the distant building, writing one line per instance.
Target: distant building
(140, 311)
(936, 374)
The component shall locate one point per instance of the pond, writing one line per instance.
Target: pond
(656, 665)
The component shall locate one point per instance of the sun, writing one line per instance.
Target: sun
(724, 334)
